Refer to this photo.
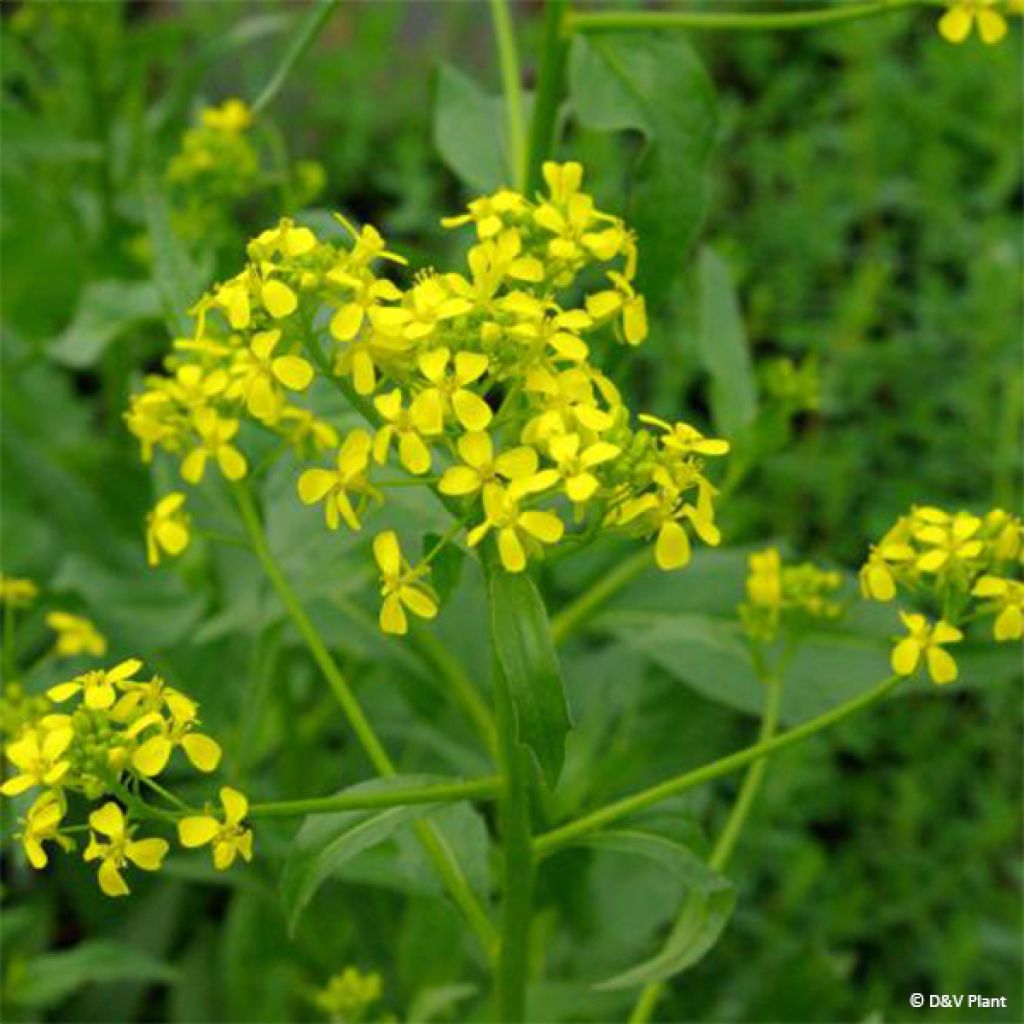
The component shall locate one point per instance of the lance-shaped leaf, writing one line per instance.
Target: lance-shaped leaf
(654, 85)
(526, 655)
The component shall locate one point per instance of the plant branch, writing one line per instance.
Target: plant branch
(548, 842)
(437, 849)
(511, 85)
(610, 21)
(451, 792)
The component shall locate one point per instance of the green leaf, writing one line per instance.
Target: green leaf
(327, 841)
(724, 350)
(526, 654)
(707, 906)
(48, 979)
(177, 279)
(106, 311)
(654, 85)
(470, 130)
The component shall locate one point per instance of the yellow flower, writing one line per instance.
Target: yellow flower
(76, 635)
(956, 24)
(333, 487)
(489, 213)
(517, 530)
(449, 390)
(422, 419)
(399, 586)
(622, 299)
(228, 838)
(152, 755)
(1008, 600)
(41, 825)
(665, 511)
(951, 543)
(927, 640)
(482, 468)
(39, 753)
(167, 528)
(278, 299)
(98, 688)
(431, 303)
(366, 294)
(17, 592)
(114, 855)
(215, 436)
(876, 575)
(683, 439)
(259, 372)
(764, 584)
(575, 464)
(348, 994)
(232, 115)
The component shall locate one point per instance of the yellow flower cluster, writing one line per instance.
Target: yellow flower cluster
(17, 592)
(218, 164)
(75, 634)
(347, 995)
(786, 597)
(989, 16)
(963, 565)
(478, 382)
(111, 743)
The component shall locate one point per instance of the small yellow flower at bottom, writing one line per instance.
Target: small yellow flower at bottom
(114, 855)
(76, 635)
(228, 838)
(400, 588)
(927, 640)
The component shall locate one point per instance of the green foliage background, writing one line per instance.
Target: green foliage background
(863, 196)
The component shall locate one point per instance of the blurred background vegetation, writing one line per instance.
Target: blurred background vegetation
(865, 197)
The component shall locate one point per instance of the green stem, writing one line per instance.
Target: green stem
(605, 21)
(511, 84)
(304, 37)
(566, 834)
(447, 793)
(518, 866)
(441, 856)
(573, 615)
(550, 79)
(648, 1000)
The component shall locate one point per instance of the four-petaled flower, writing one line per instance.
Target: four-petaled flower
(215, 436)
(333, 487)
(76, 635)
(481, 467)
(178, 730)
(926, 639)
(98, 688)
(1007, 598)
(39, 753)
(424, 418)
(167, 528)
(400, 586)
(449, 391)
(956, 24)
(228, 838)
(517, 529)
(114, 855)
(41, 824)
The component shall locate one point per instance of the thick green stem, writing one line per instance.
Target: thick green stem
(550, 78)
(568, 833)
(737, 21)
(437, 849)
(442, 793)
(648, 1000)
(511, 85)
(516, 843)
(303, 39)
